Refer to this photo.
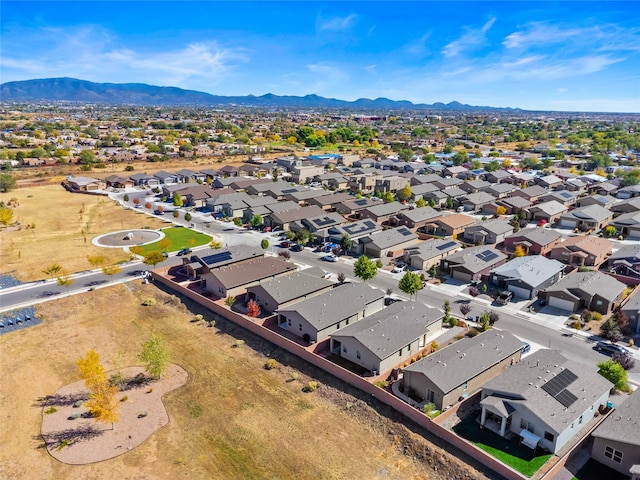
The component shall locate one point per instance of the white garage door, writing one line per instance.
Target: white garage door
(567, 223)
(520, 292)
(560, 303)
(466, 277)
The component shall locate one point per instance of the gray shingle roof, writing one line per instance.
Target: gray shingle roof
(466, 359)
(523, 381)
(590, 212)
(591, 283)
(532, 270)
(476, 259)
(392, 237)
(290, 287)
(341, 302)
(623, 425)
(387, 331)
(435, 247)
(552, 207)
(541, 236)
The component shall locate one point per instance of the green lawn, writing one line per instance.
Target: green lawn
(176, 238)
(509, 452)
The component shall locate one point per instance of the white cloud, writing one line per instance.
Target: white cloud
(337, 23)
(419, 46)
(470, 39)
(371, 69)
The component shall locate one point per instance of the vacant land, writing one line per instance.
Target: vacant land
(233, 419)
(57, 227)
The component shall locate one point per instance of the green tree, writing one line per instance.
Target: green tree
(449, 202)
(256, 221)
(433, 271)
(421, 203)
(364, 268)
(153, 258)
(177, 200)
(264, 243)
(188, 217)
(7, 182)
(52, 270)
(410, 284)
(111, 269)
(87, 157)
(345, 242)
(485, 322)
(614, 372)
(388, 197)
(446, 308)
(155, 355)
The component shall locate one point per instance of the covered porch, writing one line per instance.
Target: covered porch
(496, 416)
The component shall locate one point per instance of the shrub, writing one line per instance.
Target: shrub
(312, 386)
(150, 390)
(472, 332)
(381, 383)
(149, 302)
(465, 308)
(596, 316)
(461, 323)
(50, 410)
(143, 414)
(632, 343)
(124, 399)
(429, 407)
(64, 443)
(295, 376)
(586, 315)
(75, 415)
(238, 343)
(625, 360)
(253, 309)
(271, 364)
(434, 346)
(452, 321)
(229, 301)
(78, 404)
(379, 263)
(198, 318)
(577, 325)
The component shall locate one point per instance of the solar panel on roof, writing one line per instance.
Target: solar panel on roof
(405, 232)
(444, 246)
(487, 255)
(216, 258)
(557, 387)
(324, 221)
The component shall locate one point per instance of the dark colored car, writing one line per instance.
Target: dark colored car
(296, 248)
(285, 244)
(610, 348)
(184, 251)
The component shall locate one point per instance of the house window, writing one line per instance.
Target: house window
(338, 326)
(525, 425)
(400, 353)
(358, 354)
(289, 321)
(580, 420)
(344, 349)
(300, 326)
(464, 386)
(549, 436)
(613, 454)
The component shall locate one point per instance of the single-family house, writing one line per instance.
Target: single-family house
(197, 264)
(595, 291)
(353, 207)
(165, 178)
(446, 183)
(472, 263)
(286, 290)
(389, 337)
(565, 197)
(381, 213)
(583, 250)
(550, 211)
(545, 399)
(532, 194)
(449, 225)
(606, 201)
(330, 202)
(430, 252)
(550, 182)
(631, 308)
(534, 241)
(421, 190)
(513, 204)
(488, 232)
(315, 318)
(628, 224)
(319, 225)
(626, 206)
(499, 176)
(592, 217)
(233, 280)
(84, 184)
(475, 186)
(626, 261)
(526, 276)
(616, 441)
(475, 201)
(358, 231)
(186, 175)
(389, 243)
(454, 171)
(459, 370)
(284, 218)
(118, 181)
(142, 179)
(305, 173)
(416, 218)
(500, 190)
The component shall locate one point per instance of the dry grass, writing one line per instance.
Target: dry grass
(233, 419)
(65, 223)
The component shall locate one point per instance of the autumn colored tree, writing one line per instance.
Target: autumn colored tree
(102, 403)
(405, 193)
(95, 260)
(253, 309)
(474, 292)
(91, 370)
(65, 280)
(501, 210)
(519, 251)
(153, 258)
(52, 270)
(136, 201)
(465, 308)
(111, 269)
(6, 215)
(160, 209)
(147, 205)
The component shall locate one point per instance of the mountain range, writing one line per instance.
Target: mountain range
(83, 91)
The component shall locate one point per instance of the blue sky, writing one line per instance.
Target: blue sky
(545, 55)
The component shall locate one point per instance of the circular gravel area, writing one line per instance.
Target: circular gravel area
(127, 238)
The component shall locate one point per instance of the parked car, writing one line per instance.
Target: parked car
(504, 297)
(330, 258)
(526, 347)
(184, 251)
(285, 244)
(165, 254)
(610, 348)
(266, 229)
(296, 248)
(399, 268)
(389, 301)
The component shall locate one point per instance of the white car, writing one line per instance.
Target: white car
(399, 268)
(330, 258)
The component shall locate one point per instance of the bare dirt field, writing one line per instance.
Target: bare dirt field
(232, 420)
(57, 227)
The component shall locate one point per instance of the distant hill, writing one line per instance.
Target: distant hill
(82, 91)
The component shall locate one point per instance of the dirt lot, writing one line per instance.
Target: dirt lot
(57, 227)
(233, 419)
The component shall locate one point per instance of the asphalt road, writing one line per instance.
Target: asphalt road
(538, 335)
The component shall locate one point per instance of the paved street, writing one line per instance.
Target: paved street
(541, 330)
